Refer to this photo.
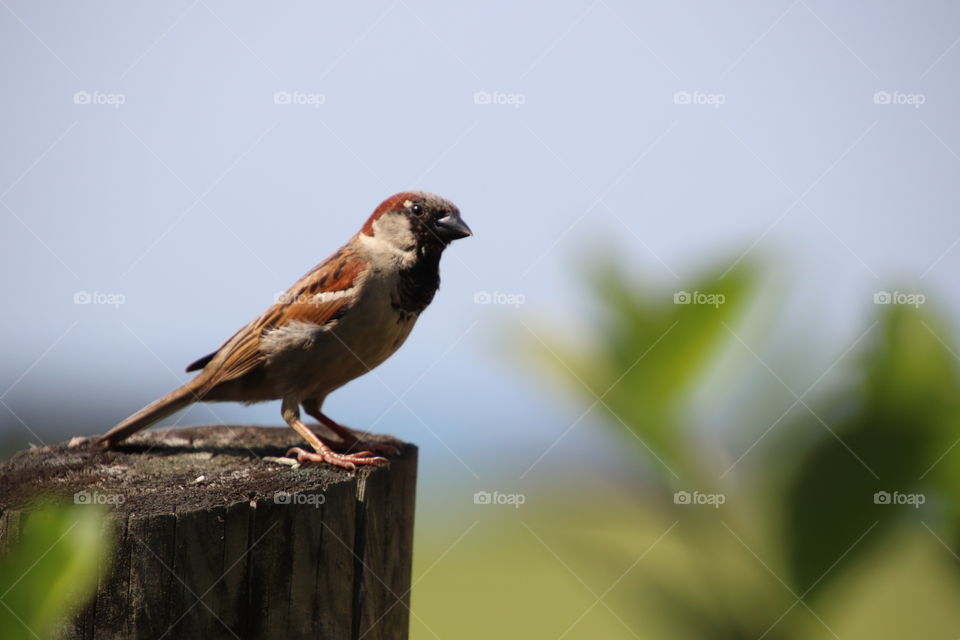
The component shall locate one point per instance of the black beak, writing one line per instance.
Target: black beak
(452, 227)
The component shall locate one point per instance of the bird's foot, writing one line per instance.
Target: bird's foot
(353, 441)
(328, 455)
(350, 440)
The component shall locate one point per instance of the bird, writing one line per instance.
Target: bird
(339, 321)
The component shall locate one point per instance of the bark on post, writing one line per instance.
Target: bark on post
(214, 541)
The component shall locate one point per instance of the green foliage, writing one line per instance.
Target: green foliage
(881, 437)
(650, 351)
(52, 570)
(809, 509)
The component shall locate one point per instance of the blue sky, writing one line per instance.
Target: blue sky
(183, 162)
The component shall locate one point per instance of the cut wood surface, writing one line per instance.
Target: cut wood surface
(216, 538)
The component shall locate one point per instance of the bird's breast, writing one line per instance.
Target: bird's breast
(369, 333)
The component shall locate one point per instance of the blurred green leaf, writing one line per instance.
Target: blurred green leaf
(52, 570)
(814, 514)
(651, 349)
(881, 437)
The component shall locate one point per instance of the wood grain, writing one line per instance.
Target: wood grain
(213, 541)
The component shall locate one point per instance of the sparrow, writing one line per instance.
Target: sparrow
(340, 320)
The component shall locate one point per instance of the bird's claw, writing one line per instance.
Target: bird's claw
(351, 440)
(367, 446)
(343, 460)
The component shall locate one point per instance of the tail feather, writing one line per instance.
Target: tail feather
(153, 412)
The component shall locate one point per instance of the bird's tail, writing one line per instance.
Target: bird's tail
(154, 412)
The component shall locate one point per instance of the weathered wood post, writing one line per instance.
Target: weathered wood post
(215, 539)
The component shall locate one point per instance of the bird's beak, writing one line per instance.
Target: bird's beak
(452, 227)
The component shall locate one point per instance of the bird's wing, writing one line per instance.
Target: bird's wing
(319, 298)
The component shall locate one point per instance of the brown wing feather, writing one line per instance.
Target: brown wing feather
(241, 353)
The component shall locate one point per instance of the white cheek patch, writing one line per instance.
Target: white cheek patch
(392, 241)
(394, 228)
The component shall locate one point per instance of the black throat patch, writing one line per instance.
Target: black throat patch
(417, 284)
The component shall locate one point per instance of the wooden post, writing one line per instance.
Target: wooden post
(217, 539)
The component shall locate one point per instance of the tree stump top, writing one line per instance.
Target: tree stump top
(216, 536)
(172, 470)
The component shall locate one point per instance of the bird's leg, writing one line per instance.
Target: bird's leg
(291, 414)
(352, 440)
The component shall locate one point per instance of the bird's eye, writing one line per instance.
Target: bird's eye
(417, 209)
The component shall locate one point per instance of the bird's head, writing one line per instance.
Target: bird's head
(418, 220)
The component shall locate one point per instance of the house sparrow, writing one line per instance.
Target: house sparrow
(340, 320)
